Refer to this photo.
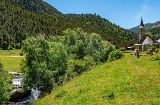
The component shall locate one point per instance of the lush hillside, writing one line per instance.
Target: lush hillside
(152, 29)
(148, 27)
(156, 32)
(136, 82)
(37, 6)
(17, 24)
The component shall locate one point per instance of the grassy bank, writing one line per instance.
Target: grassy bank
(127, 81)
(11, 60)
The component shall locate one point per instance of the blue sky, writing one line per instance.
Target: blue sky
(125, 13)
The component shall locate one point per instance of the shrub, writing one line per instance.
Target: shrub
(4, 85)
(153, 48)
(81, 65)
(88, 62)
(122, 49)
(82, 44)
(116, 54)
(155, 58)
(77, 66)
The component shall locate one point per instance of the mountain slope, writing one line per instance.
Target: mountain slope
(156, 32)
(37, 6)
(111, 84)
(148, 27)
(17, 24)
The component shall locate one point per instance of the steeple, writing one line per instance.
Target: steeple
(141, 24)
(141, 31)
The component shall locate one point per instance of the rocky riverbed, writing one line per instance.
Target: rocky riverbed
(20, 95)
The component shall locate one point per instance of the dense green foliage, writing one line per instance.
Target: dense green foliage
(4, 85)
(37, 6)
(116, 54)
(56, 60)
(45, 63)
(16, 24)
(81, 44)
(156, 32)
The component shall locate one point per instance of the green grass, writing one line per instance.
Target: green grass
(128, 81)
(11, 60)
(10, 52)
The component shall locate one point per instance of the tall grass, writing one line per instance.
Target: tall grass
(127, 81)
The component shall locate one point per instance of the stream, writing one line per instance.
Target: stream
(16, 81)
(33, 96)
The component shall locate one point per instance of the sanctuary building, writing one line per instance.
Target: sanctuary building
(144, 41)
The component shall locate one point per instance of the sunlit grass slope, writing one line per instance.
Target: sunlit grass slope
(11, 60)
(127, 81)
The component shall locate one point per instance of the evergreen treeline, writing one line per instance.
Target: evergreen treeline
(151, 29)
(36, 6)
(156, 32)
(16, 24)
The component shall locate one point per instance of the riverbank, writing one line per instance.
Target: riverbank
(126, 81)
(19, 94)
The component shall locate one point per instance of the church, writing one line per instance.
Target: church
(144, 41)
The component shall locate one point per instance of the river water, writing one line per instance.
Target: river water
(33, 96)
(16, 81)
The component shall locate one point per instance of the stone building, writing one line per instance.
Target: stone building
(145, 41)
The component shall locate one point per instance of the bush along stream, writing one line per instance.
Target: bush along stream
(53, 61)
(20, 95)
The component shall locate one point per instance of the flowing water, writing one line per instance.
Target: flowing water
(16, 81)
(33, 96)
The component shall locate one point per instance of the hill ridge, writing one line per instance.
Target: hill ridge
(36, 6)
(148, 27)
(19, 24)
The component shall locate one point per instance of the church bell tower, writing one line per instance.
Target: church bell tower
(141, 31)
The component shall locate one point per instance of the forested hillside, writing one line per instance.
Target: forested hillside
(16, 24)
(148, 27)
(151, 29)
(37, 6)
(156, 32)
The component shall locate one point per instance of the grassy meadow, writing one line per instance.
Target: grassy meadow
(127, 81)
(11, 60)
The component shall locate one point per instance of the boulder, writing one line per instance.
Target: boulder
(18, 94)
